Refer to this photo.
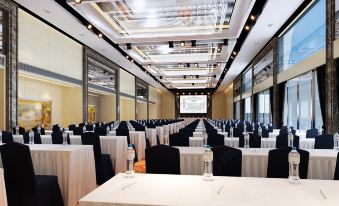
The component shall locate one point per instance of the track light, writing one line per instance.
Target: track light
(132, 60)
(77, 1)
(170, 44)
(194, 43)
(252, 17)
(197, 76)
(191, 77)
(214, 76)
(218, 49)
(247, 28)
(89, 26)
(129, 47)
(127, 57)
(192, 84)
(160, 77)
(234, 53)
(180, 65)
(218, 63)
(100, 35)
(225, 42)
(182, 43)
(195, 65)
(184, 76)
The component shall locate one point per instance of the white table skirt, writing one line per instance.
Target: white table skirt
(115, 146)
(73, 165)
(160, 133)
(151, 134)
(254, 162)
(175, 190)
(49, 132)
(274, 134)
(3, 196)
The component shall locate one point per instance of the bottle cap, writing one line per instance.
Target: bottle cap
(208, 147)
(294, 148)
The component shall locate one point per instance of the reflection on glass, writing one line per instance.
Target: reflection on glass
(100, 74)
(264, 107)
(248, 109)
(263, 69)
(304, 38)
(337, 19)
(247, 81)
(237, 110)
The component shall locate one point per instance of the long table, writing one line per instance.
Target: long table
(254, 162)
(3, 196)
(138, 138)
(163, 190)
(72, 164)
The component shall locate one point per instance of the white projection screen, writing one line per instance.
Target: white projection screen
(191, 104)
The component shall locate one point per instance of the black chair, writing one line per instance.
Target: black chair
(101, 131)
(57, 138)
(72, 127)
(162, 159)
(42, 130)
(336, 173)
(179, 139)
(265, 132)
(37, 138)
(324, 141)
(7, 137)
(278, 165)
(215, 140)
(282, 141)
(226, 161)
(237, 132)
(77, 131)
(21, 130)
(23, 187)
(103, 163)
(255, 141)
(311, 133)
(123, 132)
(89, 127)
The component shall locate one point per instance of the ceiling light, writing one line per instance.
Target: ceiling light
(197, 76)
(170, 44)
(218, 63)
(127, 57)
(77, 1)
(252, 17)
(132, 60)
(128, 45)
(182, 43)
(218, 49)
(100, 35)
(247, 28)
(180, 65)
(225, 42)
(184, 76)
(149, 66)
(194, 43)
(89, 26)
(195, 65)
(234, 53)
(191, 77)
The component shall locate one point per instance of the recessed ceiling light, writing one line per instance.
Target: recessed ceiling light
(247, 28)
(218, 63)
(218, 49)
(252, 17)
(77, 1)
(182, 43)
(89, 26)
(196, 65)
(127, 57)
(132, 60)
(234, 53)
(100, 35)
(180, 65)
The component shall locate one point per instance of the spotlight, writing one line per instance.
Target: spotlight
(191, 77)
(100, 35)
(77, 1)
(89, 26)
(132, 60)
(184, 76)
(127, 57)
(188, 65)
(180, 65)
(149, 66)
(195, 65)
(218, 63)
(129, 47)
(182, 43)
(170, 44)
(194, 43)
(192, 84)
(247, 28)
(252, 17)
(214, 76)
(197, 76)
(234, 53)
(160, 77)
(218, 49)
(225, 42)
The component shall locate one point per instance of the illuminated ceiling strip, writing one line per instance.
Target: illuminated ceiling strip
(107, 18)
(139, 52)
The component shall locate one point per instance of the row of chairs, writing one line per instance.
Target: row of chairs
(227, 161)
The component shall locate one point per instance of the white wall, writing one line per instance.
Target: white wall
(127, 83)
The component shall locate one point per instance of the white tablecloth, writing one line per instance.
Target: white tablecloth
(254, 162)
(164, 190)
(138, 139)
(161, 134)
(73, 165)
(115, 146)
(151, 134)
(3, 196)
(275, 133)
(49, 132)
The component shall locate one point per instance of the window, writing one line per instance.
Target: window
(304, 38)
(237, 110)
(263, 68)
(248, 109)
(247, 81)
(298, 103)
(264, 107)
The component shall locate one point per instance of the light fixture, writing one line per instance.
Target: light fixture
(218, 49)
(247, 28)
(184, 76)
(149, 66)
(160, 77)
(194, 43)
(132, 60)
(100, 35)
(234, 53)
(182, 43)
(191, 77)
(128, 45)
(197, 76)
(218, 63)
(179, 64)
(127, 57)
(214, 76)
(77, 1)
(195, 65)
(225, 42)
(170, 44)
(252, 17)
(192, 84)
(89, 26)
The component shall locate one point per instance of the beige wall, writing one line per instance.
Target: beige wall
(127, 109)
(155, 109)
(229, 101)
(108, 108)
(127, 83)
(2, 100)
(152, 111)
(42, 46)
(218, 105)
(167, 105)
(141, 110)
(71, 105)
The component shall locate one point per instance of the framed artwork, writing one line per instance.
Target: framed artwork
(32, 113)
(91, 113)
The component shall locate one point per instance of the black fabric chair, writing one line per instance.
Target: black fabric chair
(324, 141)
(278, 166)
(72, 127)
(311, 133)
(179, 139)
(7, 137)
(89, 127)
(255, 141)
(37, 138)
(282, 141)
(42, 130)
(336, 173)
(264, 132)
(57, 138)
(103, 163)
(237, 132)
(23, 187)
(21, 130)
(123, 132)
(100, 131)
(162, 159)
(226, 161)
(215, 140)
(77, 131)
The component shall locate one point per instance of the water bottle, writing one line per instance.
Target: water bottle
(39, 129)
(253, 126)
(93, 127)
(231, 132)
(290, 139)
(31, 137)
(64, 138)
(260, 131)
(130, 161)
(336, 141)
(246, 140)
(112, 127)
(107, 130)
(320, 131)
(17, 130)
(0, 137)
(245, 128)
(204, 138)
(83, 129)
(61, 129)
(99, 124)
(236, 125)
(294, 161)
(223, 128)
(208, 163)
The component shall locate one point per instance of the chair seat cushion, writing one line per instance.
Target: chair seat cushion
(48, 191)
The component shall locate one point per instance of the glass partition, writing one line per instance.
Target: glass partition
(247, 81)
(263, 69)
(237, 110)
(141, 104)
(264, 107)
(248, 109)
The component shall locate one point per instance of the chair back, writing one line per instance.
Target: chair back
(7, 137)
(89, 127)
(162, 159)
(278, 166)
(255, 141)
(19, 174)
(237, 132)
(123, 132)
(311, 133)
(57, 138)
(226, 161)
(21, 130)
(42, 130)
(282, 141)
(101, 131)
(336, 172)
(179, 139)
(215, 140)
(37, 138)
(324, 141)
(90, 138)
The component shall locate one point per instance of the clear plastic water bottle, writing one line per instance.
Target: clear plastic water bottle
(112, 127)
(236, 125)
(130, 161)
(83, 129)
(320, 131)
(31, 137)
(290, 139)
(61, 129)
(107, 130)
(336, 141)
(93, 127)
(0, 137)
(231, 132)
(223, 128)
(17, 130)
(39, 129)
(99, 124)
(204, 138)
(246, 140)
(253, 126)
(64, 138)
(245, 128)
(260, 131)
(294, 161)
(208, 163)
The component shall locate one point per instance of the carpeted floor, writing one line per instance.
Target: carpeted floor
(140, 166)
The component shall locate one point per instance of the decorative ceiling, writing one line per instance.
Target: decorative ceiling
(185, 44)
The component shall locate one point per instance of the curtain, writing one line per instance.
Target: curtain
(321, 88)
(281, 104)
(271, 105)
